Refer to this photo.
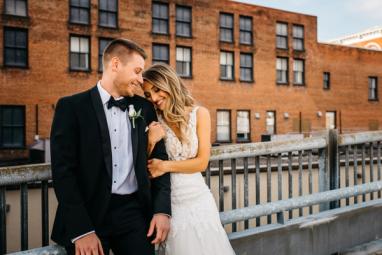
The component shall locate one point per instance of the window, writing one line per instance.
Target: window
(282, 35)
(298, 72)
(226, 27)
(243, 126)
(298, 37)
(326, 80)
(330, 120)
(282, 70)
(183, 61)
(108, 13)
(79, 53)
(160, 53)
(80, 11)
(16, 7)
(12, 126)
(271, 122)
(103, 42)
(160, 18)
(223, 126)
(246, 67)
(373, 88)
(226, 65)
(183, 21)
(15, 47)
(245, 30)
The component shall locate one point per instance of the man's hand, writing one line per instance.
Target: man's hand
(89, 245)
(161, 224)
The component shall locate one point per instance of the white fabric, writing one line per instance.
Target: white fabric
(195, 223)
(124, 179)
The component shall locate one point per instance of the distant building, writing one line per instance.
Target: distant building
(258, 70)
(369, 39)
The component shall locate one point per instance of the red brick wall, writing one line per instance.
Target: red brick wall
(48, 77)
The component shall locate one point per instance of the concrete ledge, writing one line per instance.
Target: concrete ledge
(374, 247)
(329, 232)
(46, 250)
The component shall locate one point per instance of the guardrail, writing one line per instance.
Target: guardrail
(307, 160)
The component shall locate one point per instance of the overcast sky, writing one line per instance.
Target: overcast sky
(336, 18)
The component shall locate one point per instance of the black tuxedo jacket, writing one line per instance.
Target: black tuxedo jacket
(82, 164)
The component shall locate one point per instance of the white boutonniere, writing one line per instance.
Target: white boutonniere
(133, 115)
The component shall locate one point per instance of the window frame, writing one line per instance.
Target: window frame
(100, 54)
(286, 37)
(249, 123)
(14, 15)
(326, 82)
(233, 66)
(275, 121)
(108, 11)
(227, 28)
(298, 38)
(190, 63)
(229, 126)
(16, 29)
(23, 146)
(168, 53)
(183, 22)
(155, 18)
(370, 78)
(303, 72)
(88, 70)
(245, 31)
(251, 80)
(287, 71)
(78, 7)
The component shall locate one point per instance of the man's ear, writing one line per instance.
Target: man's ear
(115, 63)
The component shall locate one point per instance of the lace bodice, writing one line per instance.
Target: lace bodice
(176, 150)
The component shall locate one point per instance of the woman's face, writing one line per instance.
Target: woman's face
(158, 97)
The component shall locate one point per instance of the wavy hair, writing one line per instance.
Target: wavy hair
(165, 78)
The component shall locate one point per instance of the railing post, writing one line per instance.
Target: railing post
(3, 215)
(323, 170)
(334, 174)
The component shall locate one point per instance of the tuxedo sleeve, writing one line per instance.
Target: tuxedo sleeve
(160, 186)
(65, 169)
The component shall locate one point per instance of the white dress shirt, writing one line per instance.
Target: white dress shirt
(124, 180)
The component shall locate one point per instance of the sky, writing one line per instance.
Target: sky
(335, 18)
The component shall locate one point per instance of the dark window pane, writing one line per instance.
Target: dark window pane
(15, 51)
(12, 125)
(18, 137)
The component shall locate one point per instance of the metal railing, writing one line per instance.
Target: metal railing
(284, 176)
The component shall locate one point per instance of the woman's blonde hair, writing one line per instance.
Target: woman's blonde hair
(165, 78)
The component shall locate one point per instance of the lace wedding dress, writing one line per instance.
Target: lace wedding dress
(195, 224)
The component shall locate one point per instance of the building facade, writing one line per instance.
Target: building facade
(369, 39)
(258, 70)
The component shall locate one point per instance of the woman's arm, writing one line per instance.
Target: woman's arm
(200, 162)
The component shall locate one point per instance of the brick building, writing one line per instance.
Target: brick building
(258, 70)
(369, 39)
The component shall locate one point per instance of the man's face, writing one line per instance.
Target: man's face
(129, 76)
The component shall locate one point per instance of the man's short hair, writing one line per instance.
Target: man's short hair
(121, 48)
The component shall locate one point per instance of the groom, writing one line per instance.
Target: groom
(106, 200)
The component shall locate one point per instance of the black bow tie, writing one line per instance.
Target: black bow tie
(122, 103)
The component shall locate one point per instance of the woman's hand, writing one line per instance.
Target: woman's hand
(156, 167)
(156, 132)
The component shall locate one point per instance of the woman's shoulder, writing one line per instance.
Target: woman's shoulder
(201, 111)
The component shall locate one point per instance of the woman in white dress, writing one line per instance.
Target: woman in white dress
(195, 224)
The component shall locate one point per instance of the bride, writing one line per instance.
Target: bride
(185, 127)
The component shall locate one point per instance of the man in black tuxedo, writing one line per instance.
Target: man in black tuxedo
(99, 164)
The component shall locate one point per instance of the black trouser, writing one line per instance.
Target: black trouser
(124, 229)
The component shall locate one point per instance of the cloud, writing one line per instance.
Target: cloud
(370, 9)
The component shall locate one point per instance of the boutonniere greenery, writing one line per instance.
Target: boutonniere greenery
(133, 115)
